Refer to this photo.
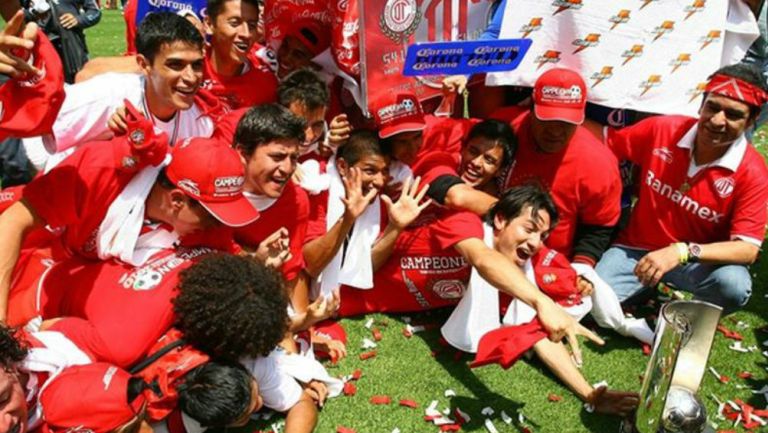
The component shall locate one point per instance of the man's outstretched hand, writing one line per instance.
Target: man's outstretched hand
(16, 39)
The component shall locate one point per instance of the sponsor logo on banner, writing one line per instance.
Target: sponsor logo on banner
(563, 5)
(465, 57)
(724, 186)
(620, 18)
(532, 26)
(549, 56)
(635, 51)
(650, 83)
(663, 29)
(712, 36)
(646, 3)
(604, 74)
(696, 91)
(664, 153)
(400, 19)
(682, 60)
(696, 6)
(591, 40)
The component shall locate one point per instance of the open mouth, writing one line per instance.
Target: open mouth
(523, 254)
(16, 428)
(471, 174)
(241, 47)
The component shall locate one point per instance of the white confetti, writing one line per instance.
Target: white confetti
(738, 420)
(396, 430)
(447, 411)
(406, 319)
(369, 323)
(432, 409)
(506, 418)
(714, 372)
(487, 411)
(489, 425)
(368, 344)
(720, 409)
(449, 393)
(765, 343)
(521, 418)
(742, 325)
(736, 346)
(443, 420)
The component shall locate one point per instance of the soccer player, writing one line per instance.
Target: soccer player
(700, 216)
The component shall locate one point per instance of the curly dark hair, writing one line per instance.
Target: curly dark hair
(230, 306)
(12, 349)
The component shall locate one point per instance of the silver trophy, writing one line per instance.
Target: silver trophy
(668, 400)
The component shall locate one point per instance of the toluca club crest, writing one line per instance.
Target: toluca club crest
(400, 19)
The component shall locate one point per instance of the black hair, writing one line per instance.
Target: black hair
(513, 201)
(216, 394)
(214, 7)
(166, 184)
(12, 349)
(160, 28)
(500, 133)
(361, 142)
(267, 122)
(230, 306)
(747, 72)
(305, 87)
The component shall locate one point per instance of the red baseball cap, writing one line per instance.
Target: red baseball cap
(92, 398)
(560, 94)
(213, 174)
(312, 33)
(398, 115)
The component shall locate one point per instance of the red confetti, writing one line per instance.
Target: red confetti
(745, 375)
(450, 427)
(460, 417)
(724, 378)
(376, 334)
(554, 397)
(350, 389)
(367, 355)
(526, 430)
(646, 349)
(431, 418)
(380, 399)
(357, 374)
(407, 333)
(761, 412)
(409, 403)
(342, 429)
(729, 334)
(334, 357)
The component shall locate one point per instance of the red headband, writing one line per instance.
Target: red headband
(737, 89)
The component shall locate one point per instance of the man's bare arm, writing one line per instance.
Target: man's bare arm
(15, 222)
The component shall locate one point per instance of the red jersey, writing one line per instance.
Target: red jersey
(444, 134)
(583, 179)
(256, 85)
(290, 210)
(424, 270)
(678, 201)
(113, 311)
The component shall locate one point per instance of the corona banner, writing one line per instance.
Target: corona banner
(390, 26)
(647, 55)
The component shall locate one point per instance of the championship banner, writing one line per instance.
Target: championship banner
(390, 26)
(146, 6)
(465, 57)
(646, 55)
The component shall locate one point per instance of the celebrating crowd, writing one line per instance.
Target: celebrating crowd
(205, 211)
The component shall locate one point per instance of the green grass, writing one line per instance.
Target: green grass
(406, 368)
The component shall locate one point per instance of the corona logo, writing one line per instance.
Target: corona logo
(651, 82)
(712, 36)
(549, 56)
(531, 27)
(696, 6)
(635, 51)
(604, 74)
(566, 4)
(664, 28)
(696, 91)
(646, 3)
(620, 18)
(591, 40)
(681, 60)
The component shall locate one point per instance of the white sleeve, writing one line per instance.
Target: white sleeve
(88, 106)
(279, 391)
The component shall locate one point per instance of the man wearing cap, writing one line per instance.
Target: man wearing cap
(304, 40)
(700, 216)
(116, 199)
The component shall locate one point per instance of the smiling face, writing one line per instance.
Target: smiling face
(521, 237)
(722, 121)
(173, 78)
(271, 166)
(315, 129)
(13, 405)
(234, 31)
(292, 55)
(374, 171)
(481, 160)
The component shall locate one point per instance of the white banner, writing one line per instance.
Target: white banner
(647, 55)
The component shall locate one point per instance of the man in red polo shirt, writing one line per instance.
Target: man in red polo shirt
(700, 215)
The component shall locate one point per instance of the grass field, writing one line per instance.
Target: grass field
(410, 369)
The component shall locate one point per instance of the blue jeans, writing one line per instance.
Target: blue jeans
(728, 286)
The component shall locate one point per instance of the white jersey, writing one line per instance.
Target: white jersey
(89, 105)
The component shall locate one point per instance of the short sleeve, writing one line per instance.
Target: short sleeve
(600, 194)
(750, 212)
(279, 390)
(453, 227)
(626, 143)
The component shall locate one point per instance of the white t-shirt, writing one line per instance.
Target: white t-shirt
(89, 105)
(279, 390)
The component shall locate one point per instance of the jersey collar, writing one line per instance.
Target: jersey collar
(730, 160)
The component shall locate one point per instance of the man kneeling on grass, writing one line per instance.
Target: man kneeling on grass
(517, 227)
